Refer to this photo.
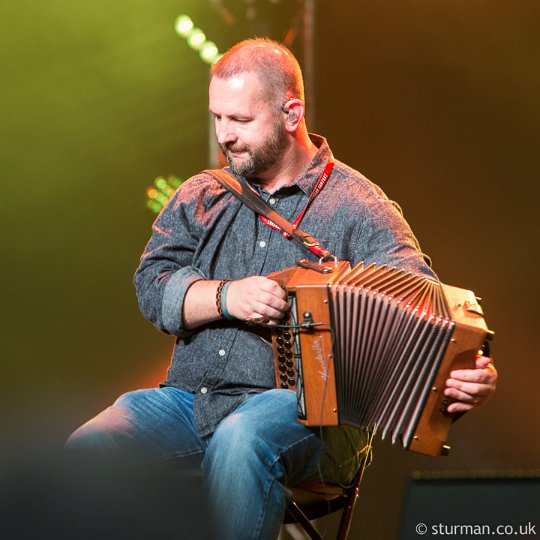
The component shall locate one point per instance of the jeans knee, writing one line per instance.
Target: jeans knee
(131, 400)
(238, 446)
(89, 440)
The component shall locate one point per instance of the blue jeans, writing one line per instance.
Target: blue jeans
(248, 463)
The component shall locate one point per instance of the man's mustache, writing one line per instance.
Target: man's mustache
(230, 147)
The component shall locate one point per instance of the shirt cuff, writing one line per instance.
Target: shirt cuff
(173, 300)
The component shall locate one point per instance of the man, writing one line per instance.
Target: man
(219, 401)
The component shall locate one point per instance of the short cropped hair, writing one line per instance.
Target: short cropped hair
(275, 65)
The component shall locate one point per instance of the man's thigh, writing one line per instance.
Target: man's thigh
(156, 424)
(265, 427)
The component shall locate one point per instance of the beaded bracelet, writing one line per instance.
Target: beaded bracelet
(224, 309)
(219, 292)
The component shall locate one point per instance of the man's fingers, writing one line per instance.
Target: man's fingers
(271, 302)
(466, 394)
(481, 376)
(459, 406)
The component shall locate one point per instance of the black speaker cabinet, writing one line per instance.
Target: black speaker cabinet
(472, 505)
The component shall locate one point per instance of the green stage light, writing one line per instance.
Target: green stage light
(196, 39)
(209, 52)
(160, 182)
(154, 206)
(183, 25)
(162, 185)
(162, 190)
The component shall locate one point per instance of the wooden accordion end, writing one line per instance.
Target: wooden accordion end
(371, 347)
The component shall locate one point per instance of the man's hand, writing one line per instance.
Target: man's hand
(257, 300)
(471, 387)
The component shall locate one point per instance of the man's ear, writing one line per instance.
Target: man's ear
(295, 110)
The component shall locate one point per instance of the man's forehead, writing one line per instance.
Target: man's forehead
(238, 94)
(238, 82)
(245, 81)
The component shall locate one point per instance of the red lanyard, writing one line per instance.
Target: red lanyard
(316, 190)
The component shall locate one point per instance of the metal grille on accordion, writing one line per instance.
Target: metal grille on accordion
(371, 347)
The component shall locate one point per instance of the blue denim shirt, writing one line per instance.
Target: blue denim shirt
(205, 232)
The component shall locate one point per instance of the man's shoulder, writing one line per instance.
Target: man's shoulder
(200, 181)
(199, 187)
(199, 193)
(356, 184)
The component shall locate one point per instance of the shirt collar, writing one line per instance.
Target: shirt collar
(307, 179)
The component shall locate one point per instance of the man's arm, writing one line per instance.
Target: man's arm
(254, 299)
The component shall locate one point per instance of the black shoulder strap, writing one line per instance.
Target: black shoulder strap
(251, 199)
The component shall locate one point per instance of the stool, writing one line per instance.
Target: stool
(312, 500)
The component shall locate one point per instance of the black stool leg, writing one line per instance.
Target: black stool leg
(294, 510)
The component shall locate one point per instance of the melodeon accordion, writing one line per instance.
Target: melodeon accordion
(371, 347)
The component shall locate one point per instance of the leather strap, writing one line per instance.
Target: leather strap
(231, 183)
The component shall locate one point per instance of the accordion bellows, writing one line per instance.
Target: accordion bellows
(371, 347)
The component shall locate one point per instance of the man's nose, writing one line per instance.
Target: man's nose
(225, 132)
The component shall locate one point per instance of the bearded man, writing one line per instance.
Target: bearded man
(202, 279)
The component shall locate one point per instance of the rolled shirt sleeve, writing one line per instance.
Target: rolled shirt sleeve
(166, 271)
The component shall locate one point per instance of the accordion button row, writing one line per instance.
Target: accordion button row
(287, 372)
(288, 364)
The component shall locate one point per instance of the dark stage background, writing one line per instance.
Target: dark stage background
(437, 102)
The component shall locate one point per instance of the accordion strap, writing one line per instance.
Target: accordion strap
(258, 205)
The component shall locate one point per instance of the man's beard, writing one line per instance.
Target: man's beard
(259, 159)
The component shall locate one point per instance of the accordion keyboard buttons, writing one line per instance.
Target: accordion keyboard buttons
(283, 346)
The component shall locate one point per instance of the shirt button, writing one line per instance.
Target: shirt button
(204, 390)
(272, 200)
(262, 243)
(222, 352)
